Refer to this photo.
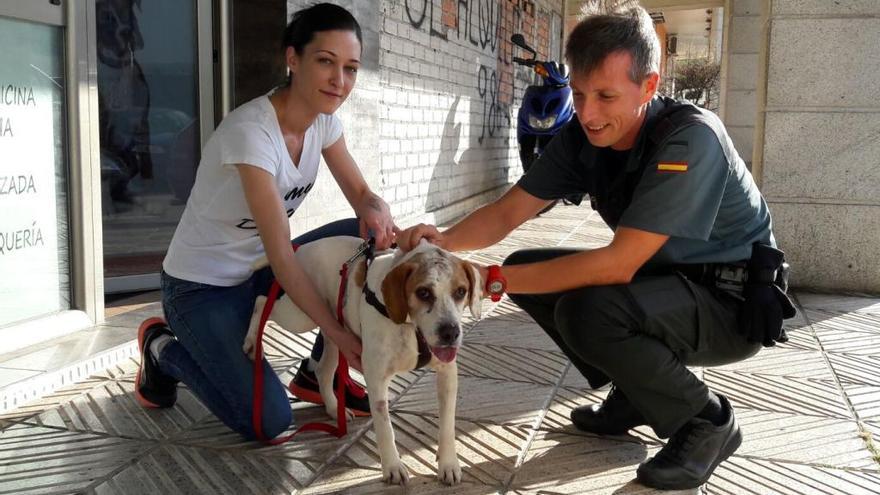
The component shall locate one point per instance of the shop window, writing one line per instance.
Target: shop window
(34, 226)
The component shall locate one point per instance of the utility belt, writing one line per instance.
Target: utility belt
(732, 277)
(760, 283)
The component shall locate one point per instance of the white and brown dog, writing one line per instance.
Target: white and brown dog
(425, 292)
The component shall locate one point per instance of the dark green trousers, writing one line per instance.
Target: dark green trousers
(642, 336)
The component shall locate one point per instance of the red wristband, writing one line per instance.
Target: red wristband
(496, 284)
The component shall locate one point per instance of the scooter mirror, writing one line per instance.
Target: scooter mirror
(563, 70)
(518, 40)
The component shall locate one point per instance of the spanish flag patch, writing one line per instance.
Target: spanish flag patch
(673, 167)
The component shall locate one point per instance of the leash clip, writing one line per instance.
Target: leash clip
(361, 250)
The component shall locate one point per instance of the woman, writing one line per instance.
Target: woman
(256, 169)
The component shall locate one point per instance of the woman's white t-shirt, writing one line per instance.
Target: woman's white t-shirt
(216, 241)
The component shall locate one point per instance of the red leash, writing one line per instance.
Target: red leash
(342, 377)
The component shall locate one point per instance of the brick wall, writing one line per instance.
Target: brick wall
(432, 120)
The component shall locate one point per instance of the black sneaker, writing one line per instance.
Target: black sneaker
(692, 453)
(304, 386)
(613, 416)
(152, 388)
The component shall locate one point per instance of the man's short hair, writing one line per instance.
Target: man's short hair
(597, 36)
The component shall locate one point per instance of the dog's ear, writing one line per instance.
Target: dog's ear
(475, 289)
(394, 292)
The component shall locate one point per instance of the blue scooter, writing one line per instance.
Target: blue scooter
(545, 108)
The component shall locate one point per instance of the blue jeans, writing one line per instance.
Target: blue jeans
(210, 324)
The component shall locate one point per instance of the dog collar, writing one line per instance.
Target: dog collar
(368, 250)
(424, 350)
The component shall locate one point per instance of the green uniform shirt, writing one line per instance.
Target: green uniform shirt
(695, 189)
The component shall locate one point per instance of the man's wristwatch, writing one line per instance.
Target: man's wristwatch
(496, 284)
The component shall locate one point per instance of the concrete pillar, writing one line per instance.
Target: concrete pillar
(819, 123)
(740, 73)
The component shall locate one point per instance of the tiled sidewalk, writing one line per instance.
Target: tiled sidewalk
(807, 408)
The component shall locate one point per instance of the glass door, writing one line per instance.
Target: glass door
(151, 78)
(34, 192)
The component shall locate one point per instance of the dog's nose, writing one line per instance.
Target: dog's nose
(448, 333)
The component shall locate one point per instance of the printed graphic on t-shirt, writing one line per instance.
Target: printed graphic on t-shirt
(297, 192)
(293, 194)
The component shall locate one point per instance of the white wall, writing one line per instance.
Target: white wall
(432, 119)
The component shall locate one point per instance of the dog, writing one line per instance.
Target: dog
(425, 292)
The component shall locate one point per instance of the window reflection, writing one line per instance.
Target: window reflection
(147, 89)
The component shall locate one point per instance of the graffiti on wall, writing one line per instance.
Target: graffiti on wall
(486, 25)
(495, 114)
(418, 11)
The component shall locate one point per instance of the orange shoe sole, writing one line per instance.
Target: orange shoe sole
(315, 398)
(146, 324)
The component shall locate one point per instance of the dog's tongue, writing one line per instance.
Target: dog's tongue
(445, 354)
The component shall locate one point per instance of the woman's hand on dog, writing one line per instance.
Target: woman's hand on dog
(408, 239)
(376, 221)
(350, 346)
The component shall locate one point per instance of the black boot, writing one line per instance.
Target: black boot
(614, 416)
(304, 386)
(692, 453)
(153, 388)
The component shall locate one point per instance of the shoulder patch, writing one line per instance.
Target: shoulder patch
(672, 167)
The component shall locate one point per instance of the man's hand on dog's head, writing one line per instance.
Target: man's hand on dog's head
(409, 238)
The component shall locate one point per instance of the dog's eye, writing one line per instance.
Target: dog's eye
(424, 294)
(459, 293)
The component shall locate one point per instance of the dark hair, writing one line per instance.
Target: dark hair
(596, 37)
(319, 17)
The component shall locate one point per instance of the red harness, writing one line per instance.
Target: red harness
(342, 377)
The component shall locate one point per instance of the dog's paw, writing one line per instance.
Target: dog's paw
(449, 472)
(395, 474)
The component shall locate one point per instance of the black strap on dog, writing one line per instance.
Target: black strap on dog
(372, 299)
(424, 351)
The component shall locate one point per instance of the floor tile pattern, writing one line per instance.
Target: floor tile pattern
(809, 410)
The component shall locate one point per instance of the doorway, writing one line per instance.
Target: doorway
(154, 61)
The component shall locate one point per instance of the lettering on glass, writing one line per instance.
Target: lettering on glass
(13, 96)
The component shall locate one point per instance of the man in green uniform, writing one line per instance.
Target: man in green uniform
(691, 276)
